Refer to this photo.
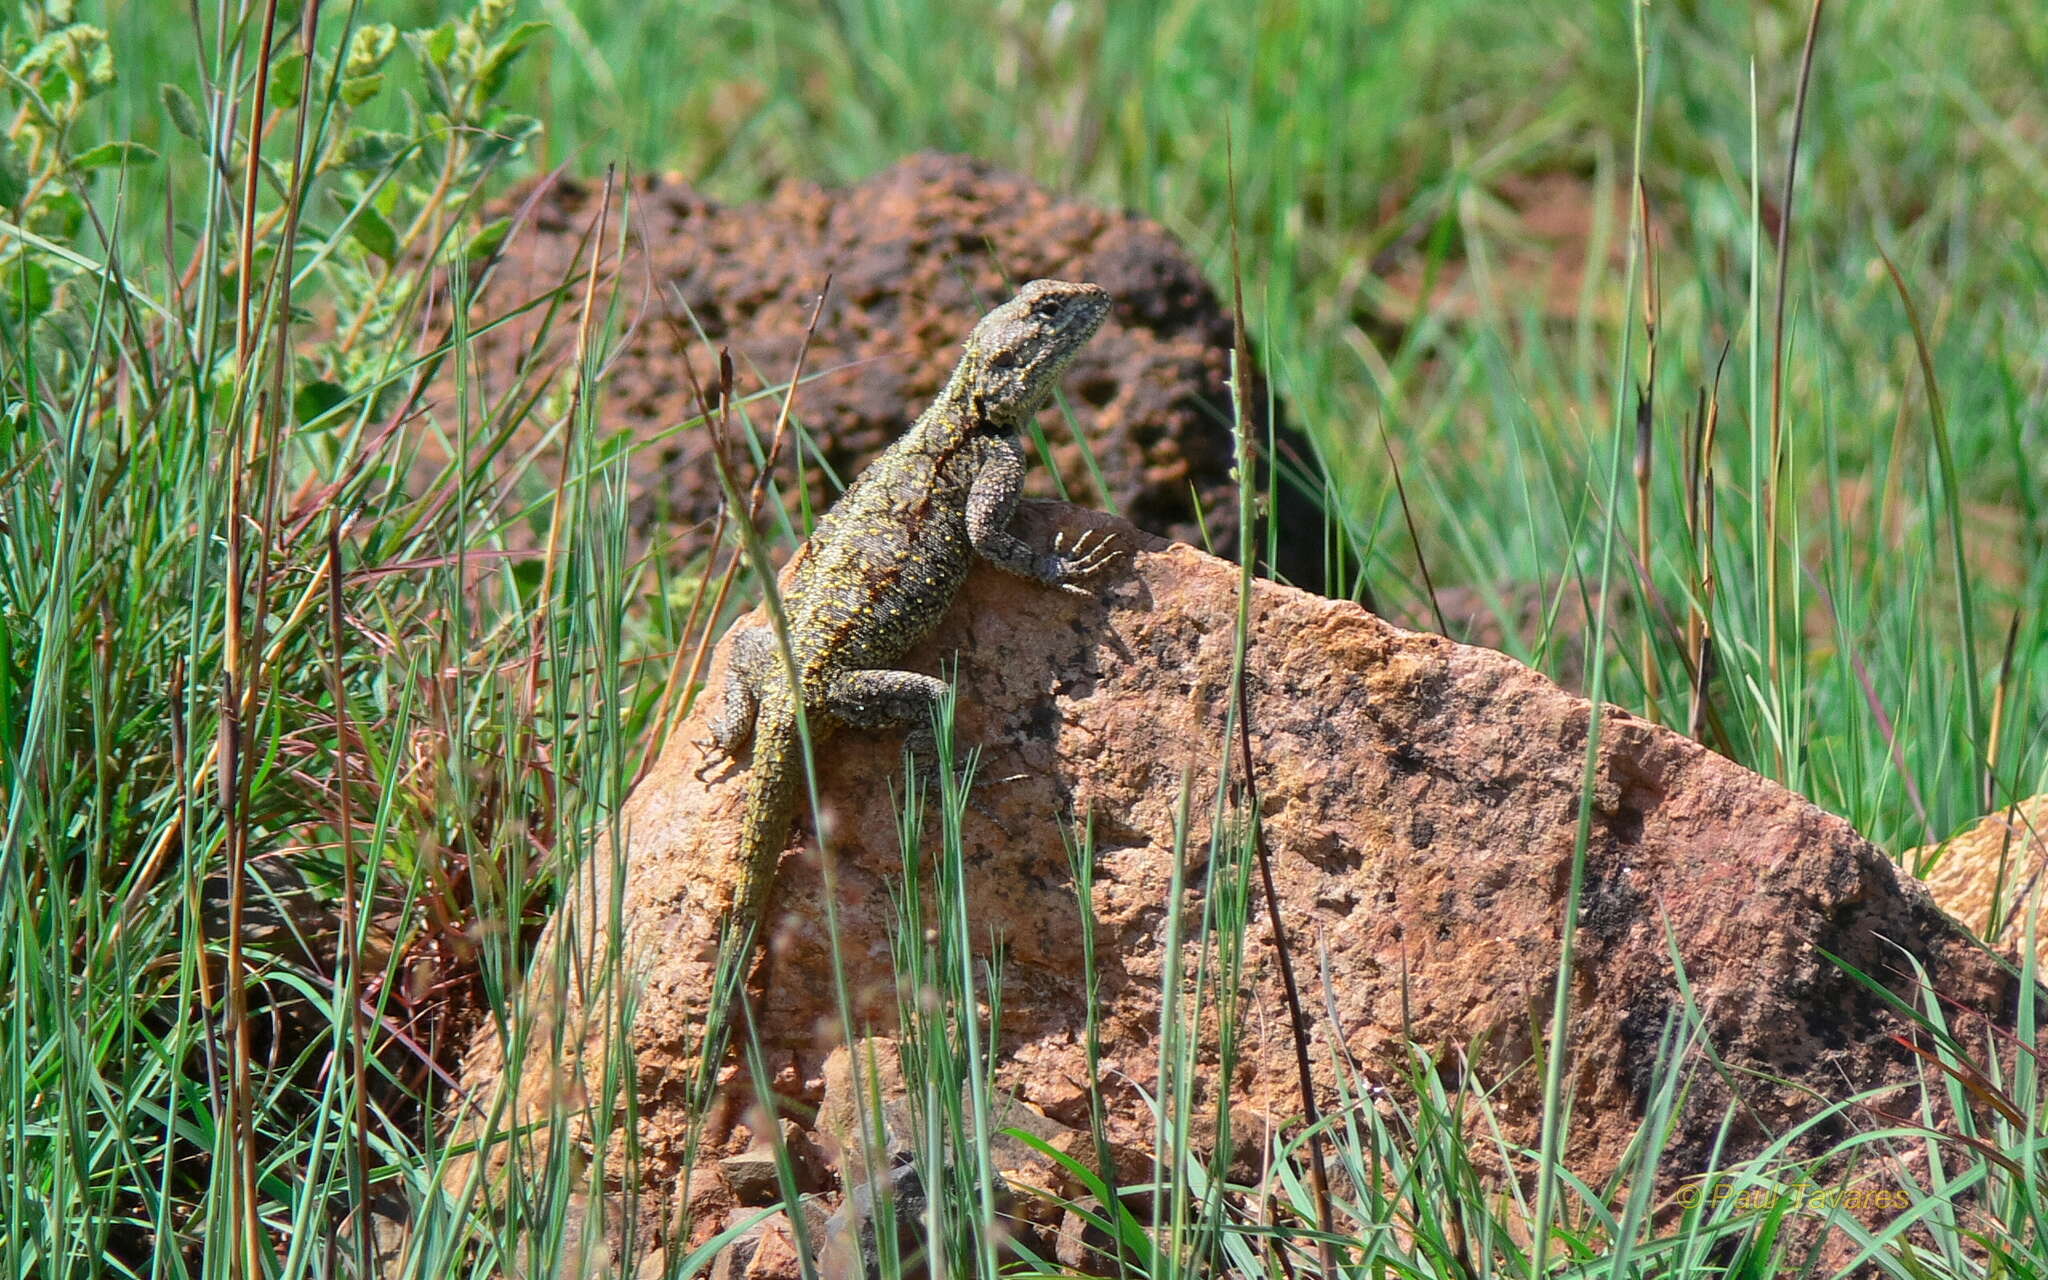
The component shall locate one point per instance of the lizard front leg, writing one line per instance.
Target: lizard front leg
(992, 501)
(753, 659)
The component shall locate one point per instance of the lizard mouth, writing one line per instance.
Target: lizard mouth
(1066, 316)
(1088, 316)
(1076, 310)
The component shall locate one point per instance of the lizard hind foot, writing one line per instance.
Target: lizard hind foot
(930, 789)
(975, 802)
(923, 767)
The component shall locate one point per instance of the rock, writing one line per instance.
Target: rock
(853, 1237)
(845, 1131)
(1421, 802)
(853, 1242)
(916, 254)
(387, 1220)
(1997, 862)
(653, 1265)
(587, 1248)
(765, 1251)
(1083, 1247)
(751, 1175)
(776, 1257)
(1549, 622)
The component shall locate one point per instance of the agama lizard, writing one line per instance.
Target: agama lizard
(884, 563)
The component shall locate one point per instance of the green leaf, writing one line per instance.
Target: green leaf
(369, 48)
(437, 44)
(506, 139)
(46, 54)
(286, 75)
(433, 48)
(184, 113)
(56, 215)
(518, 38)
(438, 93)
(370, 230)
(99, 69)
(490, 75)
(29, 289)
(526, 575)
(13, 174)
(440, 43)
(487, 239)
(356, 90)
(371, 150)
(114, 153)
(315, 399)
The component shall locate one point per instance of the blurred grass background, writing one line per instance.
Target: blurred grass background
(1381, 147)
(1445, 271)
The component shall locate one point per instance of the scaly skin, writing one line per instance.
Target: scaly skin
(885, 562)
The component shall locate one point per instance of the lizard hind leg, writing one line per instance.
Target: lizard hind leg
(878, 699)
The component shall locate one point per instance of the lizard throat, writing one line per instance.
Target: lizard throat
(985, 419)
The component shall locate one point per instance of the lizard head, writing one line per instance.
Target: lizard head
(1016, 355)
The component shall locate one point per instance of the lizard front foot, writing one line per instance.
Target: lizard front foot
(1089, 555)
(720, 747)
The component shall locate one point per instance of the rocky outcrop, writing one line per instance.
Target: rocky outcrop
(1422, 800)
(915, 254)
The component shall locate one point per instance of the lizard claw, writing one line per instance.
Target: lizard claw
(928, 780)
(716, 753)
(989, 814)
(1088, 554)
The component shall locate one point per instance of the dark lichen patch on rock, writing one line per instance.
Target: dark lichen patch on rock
(914, 254)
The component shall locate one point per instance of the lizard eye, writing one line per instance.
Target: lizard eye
(1046, 308)
(1004, 359)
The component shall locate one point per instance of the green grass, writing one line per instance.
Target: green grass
(236, 647)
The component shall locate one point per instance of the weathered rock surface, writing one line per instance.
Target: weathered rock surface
(765, 1251)
(1421, 798)
(916, 254)
(1997, 863)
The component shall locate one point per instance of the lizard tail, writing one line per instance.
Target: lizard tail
(774, 776)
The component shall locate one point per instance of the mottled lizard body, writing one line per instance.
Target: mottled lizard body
(885, 562)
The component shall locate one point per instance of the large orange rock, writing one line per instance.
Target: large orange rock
(1422, 799)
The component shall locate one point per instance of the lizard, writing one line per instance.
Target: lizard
(884, 563)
